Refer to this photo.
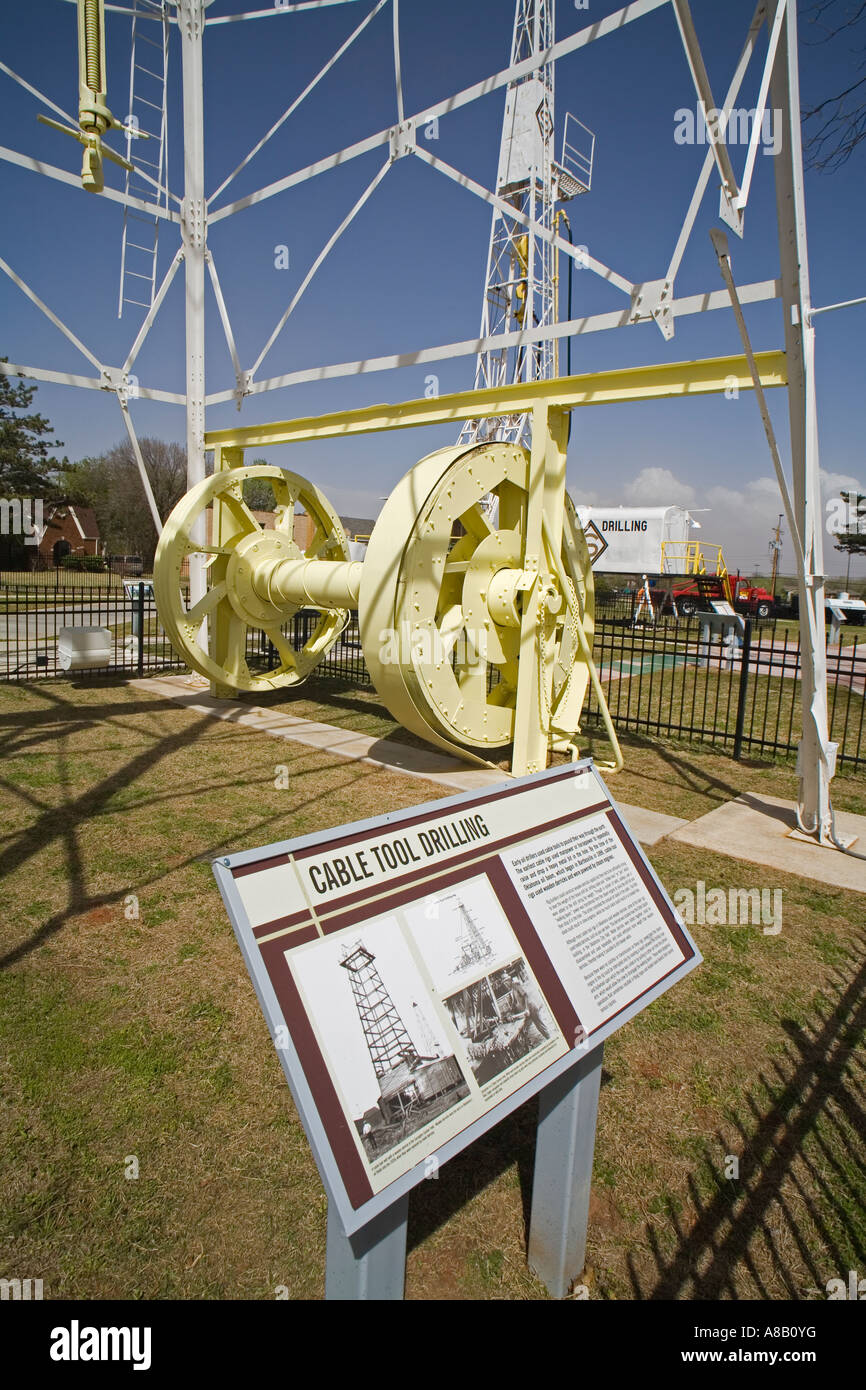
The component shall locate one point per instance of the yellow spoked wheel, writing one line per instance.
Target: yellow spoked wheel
(443, 591)
(245, 562)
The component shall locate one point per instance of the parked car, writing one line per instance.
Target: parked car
(131, 565)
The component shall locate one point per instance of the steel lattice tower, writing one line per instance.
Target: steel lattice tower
(520, 286)
(474, 946)
(388, 1041)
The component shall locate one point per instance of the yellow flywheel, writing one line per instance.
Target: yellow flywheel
(245, 563)
(441, 601)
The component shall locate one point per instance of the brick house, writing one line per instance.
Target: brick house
(70, 529)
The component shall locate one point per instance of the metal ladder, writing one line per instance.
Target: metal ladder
(147, 109)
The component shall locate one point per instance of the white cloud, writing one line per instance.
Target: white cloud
(834, 483)
(658, 487)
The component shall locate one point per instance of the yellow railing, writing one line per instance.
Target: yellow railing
(696, 557)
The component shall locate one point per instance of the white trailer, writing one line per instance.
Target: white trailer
(638, 540)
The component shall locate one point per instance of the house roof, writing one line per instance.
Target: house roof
(357, 525)
(84, 518)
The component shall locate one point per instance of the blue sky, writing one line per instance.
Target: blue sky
(409, 273)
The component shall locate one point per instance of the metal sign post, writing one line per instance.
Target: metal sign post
(372, 1264)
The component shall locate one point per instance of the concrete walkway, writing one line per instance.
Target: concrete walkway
(757, 829)
(753, 828)
(453, 773)
(345, 743)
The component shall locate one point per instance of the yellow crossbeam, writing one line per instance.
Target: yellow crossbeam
(709, 376)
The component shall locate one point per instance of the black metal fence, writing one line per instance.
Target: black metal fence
(32, 619)
(674, 679)
(680, 680)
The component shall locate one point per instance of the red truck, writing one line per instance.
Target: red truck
(690, 596)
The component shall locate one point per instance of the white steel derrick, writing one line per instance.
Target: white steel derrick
(519, 289)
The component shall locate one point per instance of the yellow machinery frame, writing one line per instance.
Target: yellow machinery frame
(549, 403)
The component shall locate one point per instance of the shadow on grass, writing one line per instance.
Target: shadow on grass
(64, 823)
(802, 1178)
(433, 1203)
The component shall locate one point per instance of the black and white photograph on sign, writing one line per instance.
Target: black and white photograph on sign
(387, 1052)
(462, 931)
(501, 1017)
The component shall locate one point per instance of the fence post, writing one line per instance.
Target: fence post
(140, 601)
(744, 684)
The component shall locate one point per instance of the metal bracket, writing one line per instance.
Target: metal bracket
(402, 140)
(193, 217)
(190, 14)
(124, 384)
(244, 381)
(730, 214)
(654, 299)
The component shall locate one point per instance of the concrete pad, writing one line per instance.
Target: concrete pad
(648, 826)
(757, 829)
(326, 738)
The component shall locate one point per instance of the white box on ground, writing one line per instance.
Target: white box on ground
(84, 648)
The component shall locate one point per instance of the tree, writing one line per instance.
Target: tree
(851, 536)
(258, 493)
(111, 485)
(26, 468)
(834, 127)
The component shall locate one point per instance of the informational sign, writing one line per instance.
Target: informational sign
(133, 586)
(424, 973)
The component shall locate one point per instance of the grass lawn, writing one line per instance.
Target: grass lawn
(130, 1030)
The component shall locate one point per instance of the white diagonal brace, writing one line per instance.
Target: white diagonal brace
(298, 99)
(161, 188)
(154, 309)
(720, 246)
(758, 122)
(276, 8)
(40, 96)
(136, 14)
(577, 253)
(692, 47)
(613, 22)
(704, 176)
(596, 323)
(49, 314)
(90, 383)
(325, 251)
(145, 480)
(38, 166)
(226, 323)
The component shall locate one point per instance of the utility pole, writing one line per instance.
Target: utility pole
(776, 547)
